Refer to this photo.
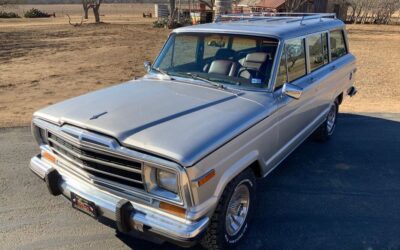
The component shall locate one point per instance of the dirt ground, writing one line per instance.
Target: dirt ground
(46, 61)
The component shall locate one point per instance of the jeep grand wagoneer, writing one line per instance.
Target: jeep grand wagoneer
(176, 154)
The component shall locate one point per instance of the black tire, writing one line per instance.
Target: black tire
(325, 131)
(217, 236)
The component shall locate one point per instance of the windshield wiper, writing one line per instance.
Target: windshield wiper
(197, 77)
(163, 72)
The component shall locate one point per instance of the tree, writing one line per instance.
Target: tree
(293, 5)
(86, 7)
(209, 3)
(373, 11)
(7, 2)
(91, 4)
(96, 9)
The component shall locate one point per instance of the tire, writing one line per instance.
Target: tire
(325, 131)
(218, 236)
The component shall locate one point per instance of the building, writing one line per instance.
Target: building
(245, 6)
(317, 6)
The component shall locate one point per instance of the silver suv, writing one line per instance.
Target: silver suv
(176, 154)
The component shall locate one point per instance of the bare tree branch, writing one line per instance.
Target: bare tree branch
(74, 24)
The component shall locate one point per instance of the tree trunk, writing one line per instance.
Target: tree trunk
(171, 9)
(96, 13)
(85, 11)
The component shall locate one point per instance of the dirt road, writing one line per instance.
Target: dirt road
(344, 194)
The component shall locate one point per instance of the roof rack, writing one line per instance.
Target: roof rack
(274, 16)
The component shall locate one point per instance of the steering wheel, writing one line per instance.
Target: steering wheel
(248, 69)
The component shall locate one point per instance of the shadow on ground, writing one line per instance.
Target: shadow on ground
(344, 194)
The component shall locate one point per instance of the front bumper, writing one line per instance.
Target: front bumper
(139, 217)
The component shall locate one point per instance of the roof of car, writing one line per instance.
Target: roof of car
(281, 28)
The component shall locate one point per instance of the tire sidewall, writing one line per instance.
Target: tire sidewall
(229, 240)
(330, 133)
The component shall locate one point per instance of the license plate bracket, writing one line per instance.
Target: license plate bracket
(84, 205)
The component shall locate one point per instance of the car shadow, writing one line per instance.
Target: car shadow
(343, 194)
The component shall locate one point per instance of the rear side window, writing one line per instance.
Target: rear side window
(317, 51)
(338, 45)
(295, 58)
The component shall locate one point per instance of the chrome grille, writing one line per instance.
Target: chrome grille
(105, 166)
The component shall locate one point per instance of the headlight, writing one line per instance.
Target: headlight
(39, 134)
(167, 180)
(162, 182)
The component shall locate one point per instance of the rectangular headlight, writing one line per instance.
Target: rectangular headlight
(167, 180)
(162, 182)
(40, 134)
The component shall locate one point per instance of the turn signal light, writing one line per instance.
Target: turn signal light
(206, 178)
(48, 156)
(178, 211)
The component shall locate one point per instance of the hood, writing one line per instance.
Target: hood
(179, 121)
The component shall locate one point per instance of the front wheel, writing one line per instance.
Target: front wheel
(230, 220)
(325, 131)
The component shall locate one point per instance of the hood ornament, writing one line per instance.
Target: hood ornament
(98, 115)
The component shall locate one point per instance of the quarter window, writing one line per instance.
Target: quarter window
(296, 58)
(338, 45)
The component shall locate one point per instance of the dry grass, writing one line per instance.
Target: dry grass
(46, 61)
(377, 48)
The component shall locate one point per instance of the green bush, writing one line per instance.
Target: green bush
(35, 13)
(4, 14)
(164, 23)
(161, 23)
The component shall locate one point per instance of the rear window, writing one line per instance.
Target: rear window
(338, 45)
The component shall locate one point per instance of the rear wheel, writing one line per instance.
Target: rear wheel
(325, 131)
(230, 220)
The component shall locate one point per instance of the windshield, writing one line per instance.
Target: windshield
(234, 60)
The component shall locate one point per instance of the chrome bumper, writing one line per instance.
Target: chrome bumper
(140, 218)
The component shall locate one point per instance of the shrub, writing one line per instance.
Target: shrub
(161, 23)
(4, 14)
(35, 13)
(165, 23)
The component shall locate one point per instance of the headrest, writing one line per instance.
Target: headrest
(225, 54)
(256, 57)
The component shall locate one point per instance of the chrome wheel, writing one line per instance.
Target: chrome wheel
(331, 119)
(238, 209)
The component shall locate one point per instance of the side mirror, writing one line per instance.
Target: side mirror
(147, 65)
(292, 90)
